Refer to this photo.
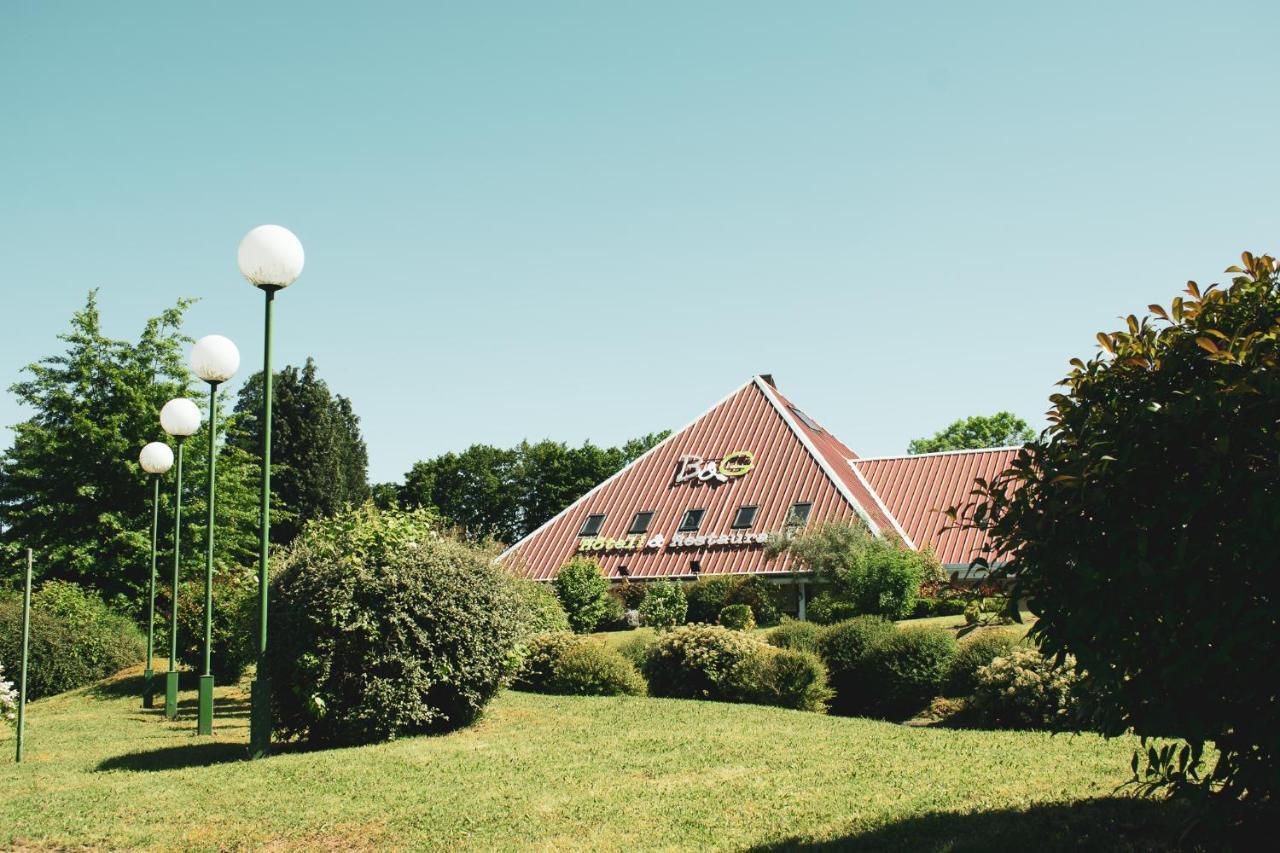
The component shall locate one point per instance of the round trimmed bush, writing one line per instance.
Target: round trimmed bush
(737, 617)
(907, 668)
(702, 662)
(664, 605)
(826, 609)
(1026, 690)
(591, 669)
(789, 678)
(976, 651)
(75, 638)
(792, 634)
(382, 627)
(706, 597)
(758, 594)
(843, 648)
(541, 653)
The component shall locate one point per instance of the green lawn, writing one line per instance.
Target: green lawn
(546, 773)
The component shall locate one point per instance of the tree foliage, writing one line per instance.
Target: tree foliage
(70, 485)
(508, 492)
(1142, 527)
(1003, 429)
(319, 462)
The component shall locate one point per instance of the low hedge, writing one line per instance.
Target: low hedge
(843, 647)
(792, 634)
(568, 664)
(737, 617)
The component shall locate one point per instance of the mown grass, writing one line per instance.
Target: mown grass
(551, 773)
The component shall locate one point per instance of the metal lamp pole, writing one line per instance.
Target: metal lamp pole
(156, 458)
(180, 418)
(271, 258)
(215, 360)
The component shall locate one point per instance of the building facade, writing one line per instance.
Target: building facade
(707, 499)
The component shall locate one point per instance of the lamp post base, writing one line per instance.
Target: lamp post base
(148, 688)
(260, 718)
(205, 724)
(171, 695)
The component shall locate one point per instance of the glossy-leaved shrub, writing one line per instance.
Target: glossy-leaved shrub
(843, 648)
(583, 591)
(1025, 690)
(664, 605)
(383, 626)
(793, 634)
(976, 651)
(75, 638)
(737, 617)
(906, 668)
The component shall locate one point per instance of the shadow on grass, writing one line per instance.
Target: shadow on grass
(177, 757)
(1109, 824)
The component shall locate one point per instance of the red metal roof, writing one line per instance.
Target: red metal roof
(916, 489)
(794, 460)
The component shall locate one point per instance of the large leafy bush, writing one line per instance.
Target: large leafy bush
(976, 651)
(591, 669)
(788, 678)
(74, 639)
(540, 655)
(1025, 690)
(872, 574)
(584, 592)
(1142, 525)
(843, 647)
(906, 668)
(708, 596)
(382, 626)
(664, 605)
(540, 607)
(792, 634)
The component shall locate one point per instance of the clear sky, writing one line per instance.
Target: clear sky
(592, 220)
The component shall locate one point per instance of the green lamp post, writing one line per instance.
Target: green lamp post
(156, 459)
(214, 359)
(271, 258)
(180, 417)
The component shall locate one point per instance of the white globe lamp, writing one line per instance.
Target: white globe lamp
(215, 359)
(270, 257)
(156, 458)
(180, 417)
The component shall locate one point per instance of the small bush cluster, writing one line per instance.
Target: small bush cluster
(583, 591)
(737, 617)
(792, 634)
(572, 665)
(1026, 690)
(663, 606)
(708, 596)
(976, 651)
(826, 608)
(934, 606)
(75, 638)
(713, 662)
(540, 608)
(382, 626)
(629, 593)
(907, 668)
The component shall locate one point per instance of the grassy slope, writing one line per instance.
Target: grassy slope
(544, 772)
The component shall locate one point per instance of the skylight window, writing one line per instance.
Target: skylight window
(692, 520)
(805, 419)
(799, 513)
(640, 524)
(592, 525)
(745, 517)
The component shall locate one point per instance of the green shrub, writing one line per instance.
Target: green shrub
(764, 598)
(75, 638)
(788, 678)
(825, 609)
(235, 615)
(906, 668)
(976, 651)
(614, 617)
(706, 597)
(635, 648)
(737, 617)
(540, 656)
(583, 591)
(927, 607)
(702, 662)
(1025, 690)
(591, 669)
(540, 608)
(792, 634)
(382, 627)
(630, 594)
(664, 605)
(843, 648)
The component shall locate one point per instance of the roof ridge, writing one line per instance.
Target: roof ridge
(935, 453)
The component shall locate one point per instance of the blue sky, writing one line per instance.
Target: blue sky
(592, 220)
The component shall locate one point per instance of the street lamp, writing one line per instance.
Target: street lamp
(214, 359)
(180, 417)
(156, 459)
(271, 258)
